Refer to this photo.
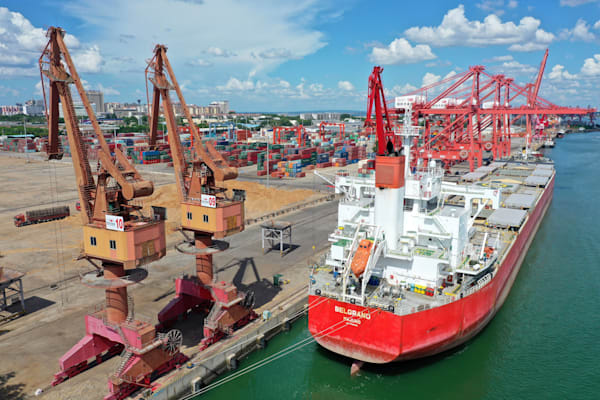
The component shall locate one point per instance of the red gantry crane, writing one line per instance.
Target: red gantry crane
(116, 234)
(206, 211)
(340, 125)
(476, 111)
(298, 130)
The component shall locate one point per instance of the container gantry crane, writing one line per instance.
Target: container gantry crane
(477, 111)
(206, 211)
(340, 125)
(116, 234)
(298, 130)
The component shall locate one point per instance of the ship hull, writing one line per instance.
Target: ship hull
(376, 336)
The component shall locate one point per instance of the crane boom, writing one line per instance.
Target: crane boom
(538, 81)
(93, 195)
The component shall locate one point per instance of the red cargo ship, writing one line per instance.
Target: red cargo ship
(442, 258)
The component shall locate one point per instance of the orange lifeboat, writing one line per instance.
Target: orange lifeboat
(361, 256)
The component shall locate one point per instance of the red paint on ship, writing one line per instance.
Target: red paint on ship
(377, 336)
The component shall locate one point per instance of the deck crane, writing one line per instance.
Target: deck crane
(207, 212)
(382, 123)
(116, 235)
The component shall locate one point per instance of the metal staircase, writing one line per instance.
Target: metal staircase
(126, 360)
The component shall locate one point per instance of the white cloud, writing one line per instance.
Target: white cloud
(38, 89)
(457, 30)
(591, 66)
(597, 24)
(345, 85)
(399, 90)
(21, 44)
(236, 84)
(218, 52)
(108, 91)
(502, 58)
(18, 71)
(89, 60)
(515, 67)
(559, 73)
(575, 3)
(200, 63)
(266, 32)
(581, 31)
(450, 74)
(275, 54)
(8, 91)
(430, 78)
(496, 6)
(400, 51)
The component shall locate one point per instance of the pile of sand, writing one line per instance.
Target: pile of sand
(259, 199)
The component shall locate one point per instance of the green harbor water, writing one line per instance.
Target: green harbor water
(543, 344)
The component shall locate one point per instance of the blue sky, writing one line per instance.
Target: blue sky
(276, 55)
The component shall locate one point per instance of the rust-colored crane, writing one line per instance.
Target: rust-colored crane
(206, 211)
(116, 234)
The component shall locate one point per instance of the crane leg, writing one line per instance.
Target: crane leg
(78, 358)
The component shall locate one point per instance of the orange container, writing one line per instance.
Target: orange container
(389, 172)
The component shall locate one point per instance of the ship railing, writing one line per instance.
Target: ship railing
(479, 285)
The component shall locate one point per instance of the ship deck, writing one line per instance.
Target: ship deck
(522, 184)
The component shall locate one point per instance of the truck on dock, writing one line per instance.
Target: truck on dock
(44, 215)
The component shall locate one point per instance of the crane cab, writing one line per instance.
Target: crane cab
(221, 218)
(139, 243)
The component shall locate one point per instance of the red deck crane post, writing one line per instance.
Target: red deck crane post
(116, 234)
(206, 211)
(382, 123)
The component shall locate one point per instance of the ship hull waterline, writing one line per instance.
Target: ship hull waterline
(376, 336)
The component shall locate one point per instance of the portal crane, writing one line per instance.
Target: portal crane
(116, 234)
(206, 211)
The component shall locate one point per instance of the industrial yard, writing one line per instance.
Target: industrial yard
(56, 301)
